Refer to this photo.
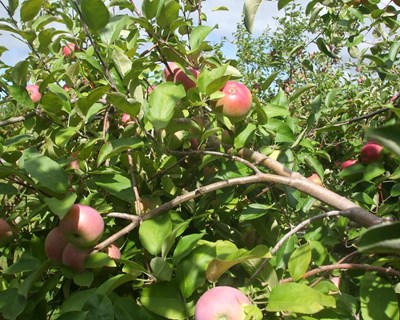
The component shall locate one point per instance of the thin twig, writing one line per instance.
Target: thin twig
(138, 204)
(17, 119)
(121, 215)
(347, 266)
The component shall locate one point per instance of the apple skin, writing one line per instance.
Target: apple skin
(5, 232)
(55, 244)
(34, 93)
(113, 252)
(68, 49)
(221, 302)
(75, 257)
(237, 101)
(315, 178)
(125, 119)
(181, 78)
(370, 152)
(348, 163)
(168, 76)
(82, 225)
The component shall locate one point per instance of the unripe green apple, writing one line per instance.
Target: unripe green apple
(34, 93)
(75, 257)
(5, 232)
(370, 152)
(222, 302)
(236, 102)
(82, 225)
(55, 244)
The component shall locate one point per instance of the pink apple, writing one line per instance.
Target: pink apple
(168, 75)
(370, 152)
(82, 225)
(181, 78)
(237, 101)
(315, 178)
(69, 48)
(55, 244)
(348, 163)
(75, 257)
(5, 232)
(113, 252)
(74, 164)
(126, 119)
(221, 303)
(34, 93)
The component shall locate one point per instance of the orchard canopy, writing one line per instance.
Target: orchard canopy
(140, 167)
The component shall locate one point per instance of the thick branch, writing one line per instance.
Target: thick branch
(17, 119)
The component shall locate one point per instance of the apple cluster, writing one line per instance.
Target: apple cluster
(72, 240)
(370, 152)
(221, 302)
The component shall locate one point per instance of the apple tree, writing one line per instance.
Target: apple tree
(140, 168)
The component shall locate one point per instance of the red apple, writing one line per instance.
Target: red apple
(370, 152)
(315, 178)
(75, 257)
(55, 244)
(5, 232)
(348, 163)
(113, 251)
(221, 303)
(33, 91)
(237, 101)
(69, 48)
(126, 119)
(181, 78)
(82, 225)
(168, 75)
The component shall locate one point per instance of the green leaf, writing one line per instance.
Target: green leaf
(121, 61)
(20, 72)
(373, 170)
(123, 103)
(114, 282)
(388, 137)
(85, 103)
(25, 264)
(30, 9)
(99, 260)
(185, 245)
(295, 297)
(218, 267)
(380, 239)
(267, 83)
(330, 97)
(154, 232)
(116, 184)
(127, 309)
(98, 307)
(161, 269)
(283, 3)
(112, 30)
(299, 261)
(20, 94)
(163, 101)
(394, 49)
(149, 8)
(378, 298)
(198, 35)
(323, 47)
(115, 147)
(167, 13)
(61, 207)
(250, 10)
(47, 172)
(12, 304)
(164, 299)
(298, 92)
(210, 81)
(243, 137)
(8, 189)
(95, 14)
(254, 211)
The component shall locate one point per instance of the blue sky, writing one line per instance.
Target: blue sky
(226, 20)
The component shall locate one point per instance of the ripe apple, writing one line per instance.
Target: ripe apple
(82, 225)
(370, 152)
(221, 303)
(113, 251)
(34, 93)
(5, 232)
(167, 74)
(55, 244)
(69, 48)
(74, 257)
(348, 163)
(236, 102)
(315, 178)
(181, 78)
(126, 119)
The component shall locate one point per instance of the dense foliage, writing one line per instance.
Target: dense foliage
(192, 196)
